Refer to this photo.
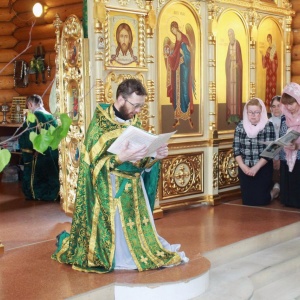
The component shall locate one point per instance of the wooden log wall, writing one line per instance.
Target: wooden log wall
(7, 53)
(16, 19)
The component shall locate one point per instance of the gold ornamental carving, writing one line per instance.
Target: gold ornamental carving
(182, 174)
(228, 168)
(57, 24)
(99, 89)
(287, 4)
(214, 11)
(288, 30)
(252, 89)
(253, 18)
(259, 5)
(99, 11)
(150, 90)
(197, 6)
(212, 91)
(72, 101)
(140, 3)
(215, 170)
(150, 19)
(142, 41)
(123, 2)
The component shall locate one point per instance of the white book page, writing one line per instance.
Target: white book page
(137, 138)
(285, 139)
(288, 137)
(159, 141)
(274, 147)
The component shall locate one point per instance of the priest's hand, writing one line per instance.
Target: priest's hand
(292, 146)
(133, 155)
(162, 152)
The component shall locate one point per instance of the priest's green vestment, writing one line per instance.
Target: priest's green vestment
(105, 188)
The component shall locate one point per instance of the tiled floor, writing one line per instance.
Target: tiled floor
(28, 230)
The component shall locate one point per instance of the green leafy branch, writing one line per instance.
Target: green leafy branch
(42, 138)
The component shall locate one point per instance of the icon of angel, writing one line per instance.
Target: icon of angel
(179, 59)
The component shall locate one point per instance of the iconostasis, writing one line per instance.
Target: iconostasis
(200, 62)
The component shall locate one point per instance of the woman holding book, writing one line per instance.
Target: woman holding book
(290, 155)
(255, 172)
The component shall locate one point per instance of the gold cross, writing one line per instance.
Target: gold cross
(146, 220)
(144, 259)
(182, 175)
(130, 223)
(160, 253)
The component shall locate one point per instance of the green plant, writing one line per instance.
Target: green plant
(4, 158)
(42, 138)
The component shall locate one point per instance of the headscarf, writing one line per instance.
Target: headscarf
(253, 130)
(274, 119)
(276, 122)
(292, 121)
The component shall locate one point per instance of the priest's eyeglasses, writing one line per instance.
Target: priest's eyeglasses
(253, 113)
(135, 105)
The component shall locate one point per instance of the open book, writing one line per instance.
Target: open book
(274, 147)
(138, 137)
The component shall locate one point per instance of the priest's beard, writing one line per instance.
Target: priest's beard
(126, 115)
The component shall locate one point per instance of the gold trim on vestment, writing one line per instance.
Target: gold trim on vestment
(34, 159)
(27, 151)
(113, 206)
(92, 243)
(63, 249)
(144, 243)
(96, 149)
(98, 168)
(86, 157)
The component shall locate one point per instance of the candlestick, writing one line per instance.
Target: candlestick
(4, 109)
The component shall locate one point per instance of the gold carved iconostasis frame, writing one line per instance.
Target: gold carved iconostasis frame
(72, 98)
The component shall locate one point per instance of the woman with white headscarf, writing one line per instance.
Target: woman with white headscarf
(290, 155)
(255, 172)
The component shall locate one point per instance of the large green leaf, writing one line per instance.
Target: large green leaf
(50, 137)
(4, 158)
(30, 117)
(66, 121)
(61, 131)
(41, 141)
(56, 138)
